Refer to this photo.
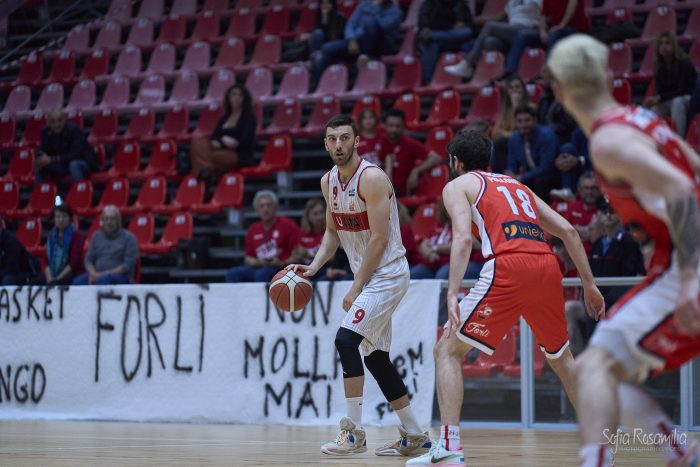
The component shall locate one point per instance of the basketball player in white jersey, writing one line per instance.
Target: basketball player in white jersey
(361, 215)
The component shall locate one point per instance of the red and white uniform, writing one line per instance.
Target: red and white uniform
(644, 315)
(370, 314)
(521, 275)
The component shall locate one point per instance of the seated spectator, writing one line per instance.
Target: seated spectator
(370, 138)
(231, 145)
(404, 157)
(329, 25)
(408, 238)
(444, 26)
(531, 152)
(515, 96)
(674, 81)
(521, 14)
(552, 114)
(313, 226)
(17, 266)
(269, 243)
(571, 161)
(64, 151)
(582, 212)
(372, 30)
(112, 253)
(64, 249)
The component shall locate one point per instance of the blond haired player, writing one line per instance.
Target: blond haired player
(361, 215)
(649, 175)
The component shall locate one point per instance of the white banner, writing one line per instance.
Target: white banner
(220, 353)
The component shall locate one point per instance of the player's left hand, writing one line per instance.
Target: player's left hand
(595, 303)
(350, 298)
(453, 313)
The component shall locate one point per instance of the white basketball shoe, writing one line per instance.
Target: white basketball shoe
(351, 440)
(438, 455)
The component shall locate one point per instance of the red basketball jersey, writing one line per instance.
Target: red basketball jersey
(506, 217)
(640, 208)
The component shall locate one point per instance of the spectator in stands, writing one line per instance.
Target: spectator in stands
(531, 152)
(269, 243)
(571, 162)
(408, 238)
(552, 114)
(17, 266)
(404, 158)
(313, 226)
(112, 253)
(674, 77)
(329, 25)
(372, 30)
(370, 137)
(444, 26)
(515, 96)
(64, 150)
(231, 145)
(521, 14)
(64, 248)
(582, 212)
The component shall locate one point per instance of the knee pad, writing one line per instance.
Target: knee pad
(388, 379)
(348, 344)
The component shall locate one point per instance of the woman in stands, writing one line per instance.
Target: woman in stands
(231, 144)
(674, 77)
(64, 249)
(370, 136)
(313, 226)
(514, 95)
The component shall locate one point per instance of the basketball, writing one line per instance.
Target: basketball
(289, 291)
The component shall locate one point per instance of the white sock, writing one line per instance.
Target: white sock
(354, 405)
(595, 455)
(408, 420)
(449, 436)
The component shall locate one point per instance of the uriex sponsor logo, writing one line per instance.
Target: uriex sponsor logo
(520, 229)
(639, 440)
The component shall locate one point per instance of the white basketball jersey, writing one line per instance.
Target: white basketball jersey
(349, 213)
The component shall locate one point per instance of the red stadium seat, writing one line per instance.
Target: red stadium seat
(75, 117)
(141, 33)
(409, 104)
(407, 49)
(208, 119)
(531, 63)
(215, 5)
(538, 362)
(83, 95)
(117, 93)
(162, 160)
(692, 30)
(228, 194)
(51, 98)
(371, 78)
(206, 27)
(141, 125)
(323, 110)
(143, 228)
(441, 79)
(109, 36)
(231, 54)
(104, 128)
(19, 100)
(175, 123)
(101, 156)
(21, 166)
(276, 157)
(287, 116)
(62, 68)
(179, 226)
(446, 107)
(78, 39)
(42, 200)
(184, 7)
(8, 131)
(197, 57)
(485, 365)
(9, 201)
(367, 102)
(646, 69)
(32, 130)
(29, 235)
(424, 220)
(152, 193)
(438, 138)
(31, 70)
(295, 84)
(334, 80)
(307, 19)
(185, 89)
(218, 85)
(116, 192)
(125, 163)
(694, 53)
(490, 66)
(620, 59)
(268, 50)
(152, 9)
(535, 91)
(96, 64)
(485, 104)
(173, 29)
(277, 22)
(619, 15)
(429, 187)
(660, 19)
(242, 24)
(151, 92)
(259, 82)
(622, 91)
(162, 60)
(406, 77)
(119, 10)
(189, 193)
(79, 195)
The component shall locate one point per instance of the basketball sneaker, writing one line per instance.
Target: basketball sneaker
(350, 440)
(407, 445)
(438, 455)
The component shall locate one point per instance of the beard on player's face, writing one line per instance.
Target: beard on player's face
(342, 157)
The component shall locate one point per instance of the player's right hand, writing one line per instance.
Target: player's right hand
(306, 271)
(595, 303)
(453, 313)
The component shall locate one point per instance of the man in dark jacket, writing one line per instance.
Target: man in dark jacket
(444, 26)
(64, 151)
(17, 266)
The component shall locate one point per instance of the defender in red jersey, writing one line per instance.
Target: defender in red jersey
(649, 175)
(521, 276)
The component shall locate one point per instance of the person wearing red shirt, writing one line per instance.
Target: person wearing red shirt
(269, 242)
(582, 212)
(370, 138)
(404, 158)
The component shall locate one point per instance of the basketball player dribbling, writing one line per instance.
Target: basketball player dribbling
(520, 277)
(649, 175)
(361, 215)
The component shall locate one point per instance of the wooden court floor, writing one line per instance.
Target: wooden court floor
(150, 444)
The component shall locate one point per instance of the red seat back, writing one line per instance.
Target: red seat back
(79, 195)
(8, 129)
(276, 21)
(286, 117)
(162, 160)
(186, 87)
(231, 53)
(10, 196)
(51, 98)
(116, 192)
(128, 61)
(176, 122)
(21, 165)
(32, 129)
(660, 19)
(184, 7)
(42, 199)
(127, 159)
(141, 33)
(446, 107)
(229, 191)
(179, 226)
(173, 29)
(206, 27)
(485, 104)
(407, 75)
(620, 58)
(371, 78)
(489, 67)
(366, 102)
(307, 19)
(622, 91)
(432, 182)
(334, 80)
(197, 57)
(242, 23)
(109, 35)
(152, 90)
(153, 192)
(219, 84)
(31, 70)
(268, 50)
(619, 15)
(162, 59)
(105, 126)
(141, 124)
(152, 9)
(441, 78)
(424, 220)
(208, 119)
(531, 63)
(96, 64)
(78, 39)
(19, 99)
(295, 83)
(143, 228)
(410, 105)
(259, 82)
(63, 67)
(117, 92)
(437, 140)
(29, 233)
(278, 152)
(83, 95)
(324, 109)
(190, 192)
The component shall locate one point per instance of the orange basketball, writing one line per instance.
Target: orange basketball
(289, 291)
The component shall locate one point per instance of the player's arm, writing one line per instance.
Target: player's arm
(376, 191)
(457, 203)
(638, 164)
(329, 243)
(552, 222)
